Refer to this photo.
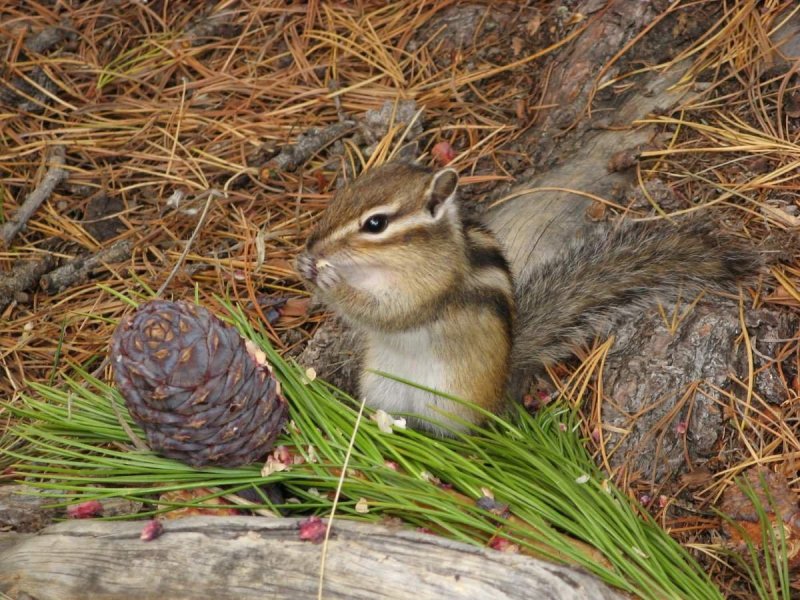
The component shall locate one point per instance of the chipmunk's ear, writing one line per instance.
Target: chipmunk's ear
(441, 190)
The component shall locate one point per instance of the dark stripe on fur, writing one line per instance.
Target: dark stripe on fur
(482, 256)
(492, 300)
(482, 248)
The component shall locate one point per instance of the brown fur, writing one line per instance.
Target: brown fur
(443, 282)
(448, 286)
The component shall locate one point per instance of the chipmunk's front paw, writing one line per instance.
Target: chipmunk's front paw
(317, 272)
(327, 275)
(306, 267)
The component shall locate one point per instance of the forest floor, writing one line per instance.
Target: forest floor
(186, 149)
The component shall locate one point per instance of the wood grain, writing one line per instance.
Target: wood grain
(247, 558)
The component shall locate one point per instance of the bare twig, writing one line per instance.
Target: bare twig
(308, 144)
(23, 277)
(77, 270)
(55, 175)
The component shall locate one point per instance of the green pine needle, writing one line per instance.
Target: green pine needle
(75, 449)
(767, 568)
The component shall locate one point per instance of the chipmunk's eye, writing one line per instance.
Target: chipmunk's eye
(375, 223)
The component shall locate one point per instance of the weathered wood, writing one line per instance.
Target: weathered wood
(9, 539)
(250, 557)
(24, 510)
(27, 509)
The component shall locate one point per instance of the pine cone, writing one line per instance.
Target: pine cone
(190, 382)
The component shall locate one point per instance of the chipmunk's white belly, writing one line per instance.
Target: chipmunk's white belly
(411, 356)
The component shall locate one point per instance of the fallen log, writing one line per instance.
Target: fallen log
(246, 558)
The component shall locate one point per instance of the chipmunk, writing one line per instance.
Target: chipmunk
(396, 257)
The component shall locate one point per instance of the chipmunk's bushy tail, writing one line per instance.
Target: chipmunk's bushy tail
(606, 276)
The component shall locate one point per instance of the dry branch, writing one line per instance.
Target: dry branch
(367, 131)
(308, 144)
(55, 174)
(251, 557)
(77, 270)
(23, 277)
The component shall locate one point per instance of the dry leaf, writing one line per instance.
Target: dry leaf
(780, 215)
(767, 486)
(575, 19)
(533, 24)
(521, 108)
(430, 478)
(696, 478)
(261, 248)
(782, 296)
(624, 159)
(516, 45)
(175, 199)
(792, 105)
(257, 354)
(272, 466)
(386, 421)
(295, 307)
(596, 211)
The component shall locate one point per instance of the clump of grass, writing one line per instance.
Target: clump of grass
(560, 506)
